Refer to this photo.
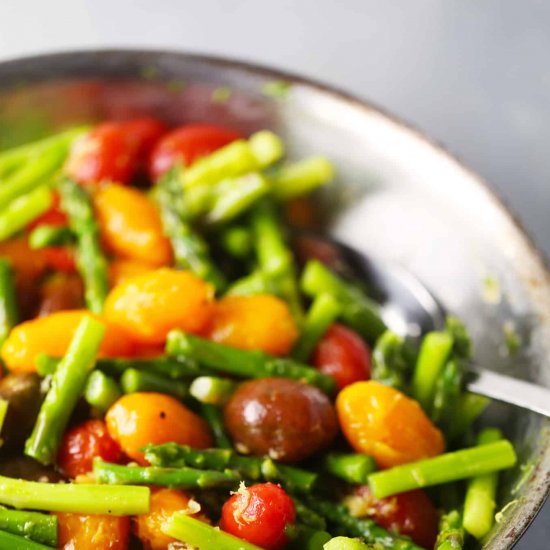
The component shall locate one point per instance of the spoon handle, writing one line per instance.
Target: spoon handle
(510, 390)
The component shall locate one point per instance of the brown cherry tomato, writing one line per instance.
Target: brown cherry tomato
(149, 306)
(80, 532)
(186, 144)
(261, 322)
(411, 514)
(281, 418)
(138, 419)
(82, 443)
(383, 422)
(344, 355)
(259, 514)
(164, 502)
(61, 292)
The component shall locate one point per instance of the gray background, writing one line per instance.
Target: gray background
(473, 74)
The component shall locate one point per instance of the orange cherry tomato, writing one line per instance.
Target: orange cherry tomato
(164, 502)
(140, 418)
(122, 270)
(383, 422)
(130, 225)
(52, 335)
(186, 144)
(80, 532)
(149, 306)
(261, 322)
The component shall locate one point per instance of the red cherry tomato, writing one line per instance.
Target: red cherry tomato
(82, 444)
(411, 514)
(146, 132)
(186, 144)
(59, 258)
(259, 514)
(53, 216)
(342, 354)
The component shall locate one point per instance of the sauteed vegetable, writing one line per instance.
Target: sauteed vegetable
(176, 374)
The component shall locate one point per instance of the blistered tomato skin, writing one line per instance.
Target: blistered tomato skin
(411, 514)
(284, 419)
(82, 443)
(164, 503)
(142, 418)
(52, 335)
(383, 422)
(130, 225)
(261, 322)
(344, 355)
(187, 144)
(149, 306)
(260, 515)
(80, 532)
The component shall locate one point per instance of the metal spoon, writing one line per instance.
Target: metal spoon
(409, 309)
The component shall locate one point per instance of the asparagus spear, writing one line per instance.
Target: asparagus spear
(33, 526)
(23, 210)
(237, 241)
(447, 467)
(479, 506)
(321, 314)
(213, 415)
(50, 235)
(358, 311)
(337, 514)
(101, 391)
(389, 361)
(353, 468)
(67, 384)
(16, 542)
(184, 478)
(274, 257)
(345, 543)
(451, 532)
(250, 468)
(307, 538)
(467, 408)
(8, 305)
(91, 261)
(134, 380)
(256, 282)
(307, 516)
(242, 363)
(198, 534)
(190, 250)
(212, 390)
(446, 392)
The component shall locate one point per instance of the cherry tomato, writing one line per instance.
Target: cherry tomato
(342, 354)
(59, 258)
(411, 514)
(82, 444)
(53, 216)
(186, 144)
(146, 132)
(259, 514)
(80, 532)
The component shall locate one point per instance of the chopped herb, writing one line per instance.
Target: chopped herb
(492, 292)
(222, 94)
(149, 72)
(278, 89)
(512, 339)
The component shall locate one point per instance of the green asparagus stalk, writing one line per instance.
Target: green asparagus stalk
(446, 392)
(323, 311)
(307, 516)
(101, 391)
(190, 249)
(462, 345)
(358, 311)
(213, 415)
(307, 538)
(72, 497)
(353, 468)
(444, 468)
(67, 384)
(50, 235)
(183, 478)
(250, 468)
(389, 362)
(479, 505)
(16, 542)
(23, 210)
(302, 177)
(338, 516)
(134, 380)
(237, 241)
(198, 534)
(345, 543)
(33, 526)
(256, 282)
(8, 305)
(90, 259)
(212, 390)
(242, 363)
(466, 410)
(433, 355)
(275, 259)
(451, 532)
